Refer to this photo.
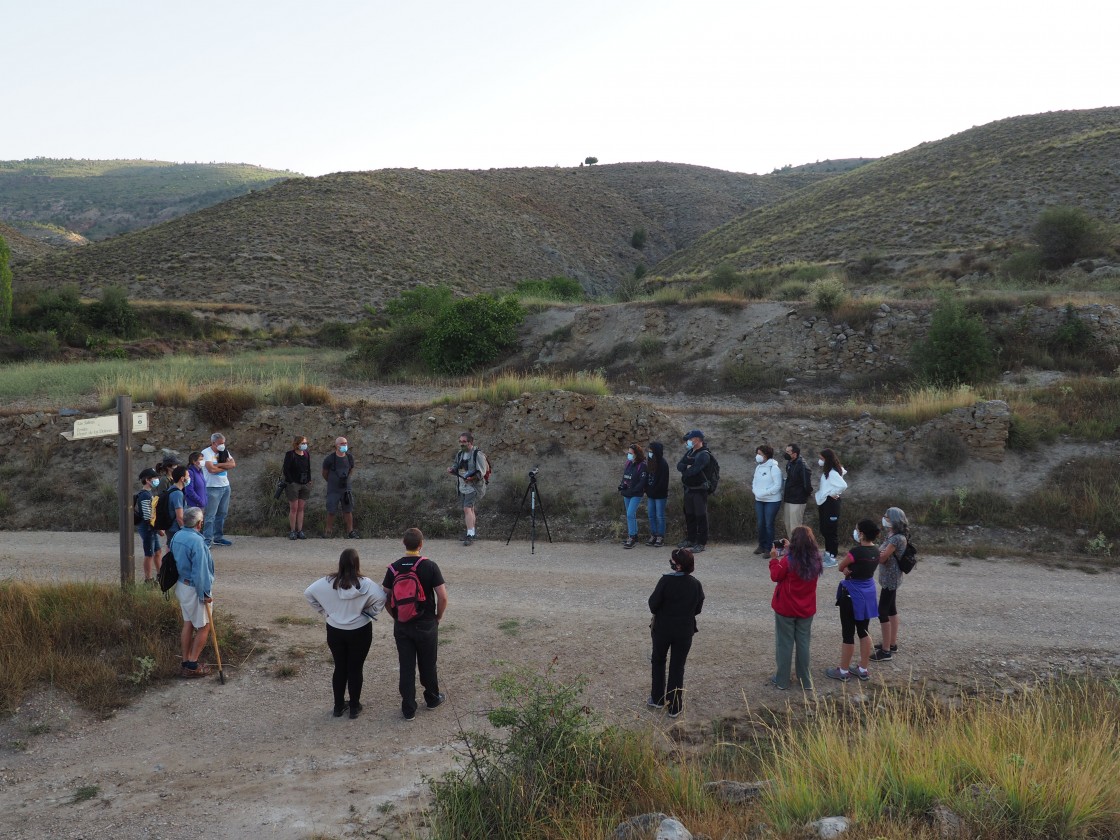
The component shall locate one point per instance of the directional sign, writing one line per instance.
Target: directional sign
(106, 426)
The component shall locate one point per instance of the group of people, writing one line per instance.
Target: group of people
(337, 470)
(646, 474)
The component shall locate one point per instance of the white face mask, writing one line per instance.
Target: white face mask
(856, 535)
(759, 459)
(303, 447)
(688, 444)
(629, 456)
(221, 447)
(886, 522)
(820, 463)
(187, 482)
(650, 454)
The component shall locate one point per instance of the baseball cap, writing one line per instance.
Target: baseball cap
(147, 473)
(694, 433)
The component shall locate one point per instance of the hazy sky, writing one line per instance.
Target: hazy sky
(326, 86)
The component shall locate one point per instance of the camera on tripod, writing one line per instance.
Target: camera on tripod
(533, 472)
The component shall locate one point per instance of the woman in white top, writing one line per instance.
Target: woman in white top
(767, 489)
(828, 503)
(351, 603)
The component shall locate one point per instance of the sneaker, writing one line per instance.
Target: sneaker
(294, 535)
(409, 715)
(774, 684)
(760, 550)
(652, 541)
(655, 704)
(862, 673)
(468, 539)
(439, 701)
(200, 670)
(338, 710)
(696, 549)
(829, 561)
(881, 656)
(353, 535)
(675, 712)
(326, 535)
(894, 648)
(659, 542)
(684, 544)
(223, 541)
(355, 710)
(837, 674)
(630, 542)
(300, 535)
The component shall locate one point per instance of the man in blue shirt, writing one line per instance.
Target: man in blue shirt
(196, 576)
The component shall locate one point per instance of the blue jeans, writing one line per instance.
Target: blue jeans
(632, 514)
(656, 510)
(217, 504)
(766, 513)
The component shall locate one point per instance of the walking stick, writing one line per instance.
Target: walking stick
(214, 639)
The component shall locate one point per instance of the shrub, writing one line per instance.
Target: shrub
(223, 407)
(335, 334)
(471, 332)
(724, 278)
(957, 349)
(828, 293)
(388, 350)
(1073, 336)
(1065, 235)
(420, 306)
(171, 321)
(943, 452)
(554, 288)
(113, 314)
(638, 238)
(25, 346)
(1024, 265)
(791, 290)
(628, 287)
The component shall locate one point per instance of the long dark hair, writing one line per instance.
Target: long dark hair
(349, 571)
(831, 462)
(804, 554)
(656, 457)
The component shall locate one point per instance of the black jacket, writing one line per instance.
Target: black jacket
(297, 468)
(799, 484)
(675, 602)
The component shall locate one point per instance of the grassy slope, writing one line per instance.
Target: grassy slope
(100, 198)
(22, 247)
(985, 184)
(325, 246)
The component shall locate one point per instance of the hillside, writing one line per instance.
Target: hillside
(102, 198)
(23, 247)
(314, 248)
(982, 185)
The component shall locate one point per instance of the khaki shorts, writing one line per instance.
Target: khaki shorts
(298, 492)
(194, 610)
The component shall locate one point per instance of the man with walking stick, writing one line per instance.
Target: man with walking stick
(196, 576)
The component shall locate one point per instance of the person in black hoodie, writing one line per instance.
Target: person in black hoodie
(675, 603)
(799, 486)
(633, 487)
(657, 492)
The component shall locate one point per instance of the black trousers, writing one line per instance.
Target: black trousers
(349, 649)
(696, 516)
(417, 642)
(830, 524)
(675, 642)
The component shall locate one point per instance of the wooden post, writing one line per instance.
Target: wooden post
(124, 484)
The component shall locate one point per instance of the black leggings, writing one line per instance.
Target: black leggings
(830, 524)
(849, 627)
(349, 649)
(887, 604)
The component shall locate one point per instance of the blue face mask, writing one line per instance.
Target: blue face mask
(303, 447)
(688, 443)
(344, 448)
(629, 456)
(155, 482)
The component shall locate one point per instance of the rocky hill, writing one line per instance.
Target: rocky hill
(45, 198)
(23, 247)
(987, 184)
(314, 248)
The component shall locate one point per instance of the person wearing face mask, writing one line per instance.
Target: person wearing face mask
(798, 488)
(692, 467)
(795, 569)
(657, 492)
(176, 500)
(297, 475)
(897, 528)
(676, 601)
(196, 576)
(472, 472)
(144, 514)
(217, 461)
(195, 489)
(338, 467)
(832, 484)
(855, 596)
(767, 489)
(632, 487)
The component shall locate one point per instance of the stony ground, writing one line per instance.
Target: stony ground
(262, 756)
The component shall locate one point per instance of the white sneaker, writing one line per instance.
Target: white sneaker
(829, 561)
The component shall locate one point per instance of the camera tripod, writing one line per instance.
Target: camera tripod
(533, 497)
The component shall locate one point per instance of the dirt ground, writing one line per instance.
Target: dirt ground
(262, 756)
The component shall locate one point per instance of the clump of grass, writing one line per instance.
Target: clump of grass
(512, 386)
(85, 793)
(223, 407)
(296, 620)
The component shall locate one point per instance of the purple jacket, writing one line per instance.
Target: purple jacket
(196, 490)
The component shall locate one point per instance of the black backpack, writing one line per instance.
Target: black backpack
(168, 572)
(908, 559)
(164, 517)
(137, 514)
(711, 474)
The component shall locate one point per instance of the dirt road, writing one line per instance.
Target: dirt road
(262, 756)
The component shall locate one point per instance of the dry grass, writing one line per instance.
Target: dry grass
(513, 386)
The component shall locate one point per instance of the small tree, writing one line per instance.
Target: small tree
(471, 332)
(1065, 235)
(591, 161)
(5, 287)
(957, 349)
(828, 293)
(638, 238)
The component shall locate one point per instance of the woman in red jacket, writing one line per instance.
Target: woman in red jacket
(795, 569)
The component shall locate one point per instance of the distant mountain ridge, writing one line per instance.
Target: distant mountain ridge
(102, 198)
(982, 185)
(315, 248)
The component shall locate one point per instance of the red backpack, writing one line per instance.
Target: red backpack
(406, 595)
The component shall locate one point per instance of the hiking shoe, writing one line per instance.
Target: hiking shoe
(655, 704)
(829, 561)
(338, 710)
(630, 542)
(353, 535)
(355, 710)
(675, 712)
(696, 549)
(652, 541)
(294, 535)
(300, 535)
(837, 674)
(439, 701)
(200, 670)
(863, 674)
(881, 656)
(468, 539)
(223, 541)
(684, 544)
(409, 715)
(659, 542)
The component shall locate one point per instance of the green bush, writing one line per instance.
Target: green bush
(791, 290)
(113, 314)
(1073, 336)
(724, 278)
(1024, 265)
(419, 307)
(388, 350)
(638, 238)
(166, 321)
(27, 346)
(1065, 235)
(335, 334)
(470, 333)
(957, 349)
(828, 293)
(554, 288)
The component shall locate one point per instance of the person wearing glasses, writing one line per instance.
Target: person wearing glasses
(472, 475)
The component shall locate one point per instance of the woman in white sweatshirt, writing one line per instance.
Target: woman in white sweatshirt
(828, 503)
(767, 489)
(351, 603)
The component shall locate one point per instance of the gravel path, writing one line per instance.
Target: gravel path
(261, 756)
